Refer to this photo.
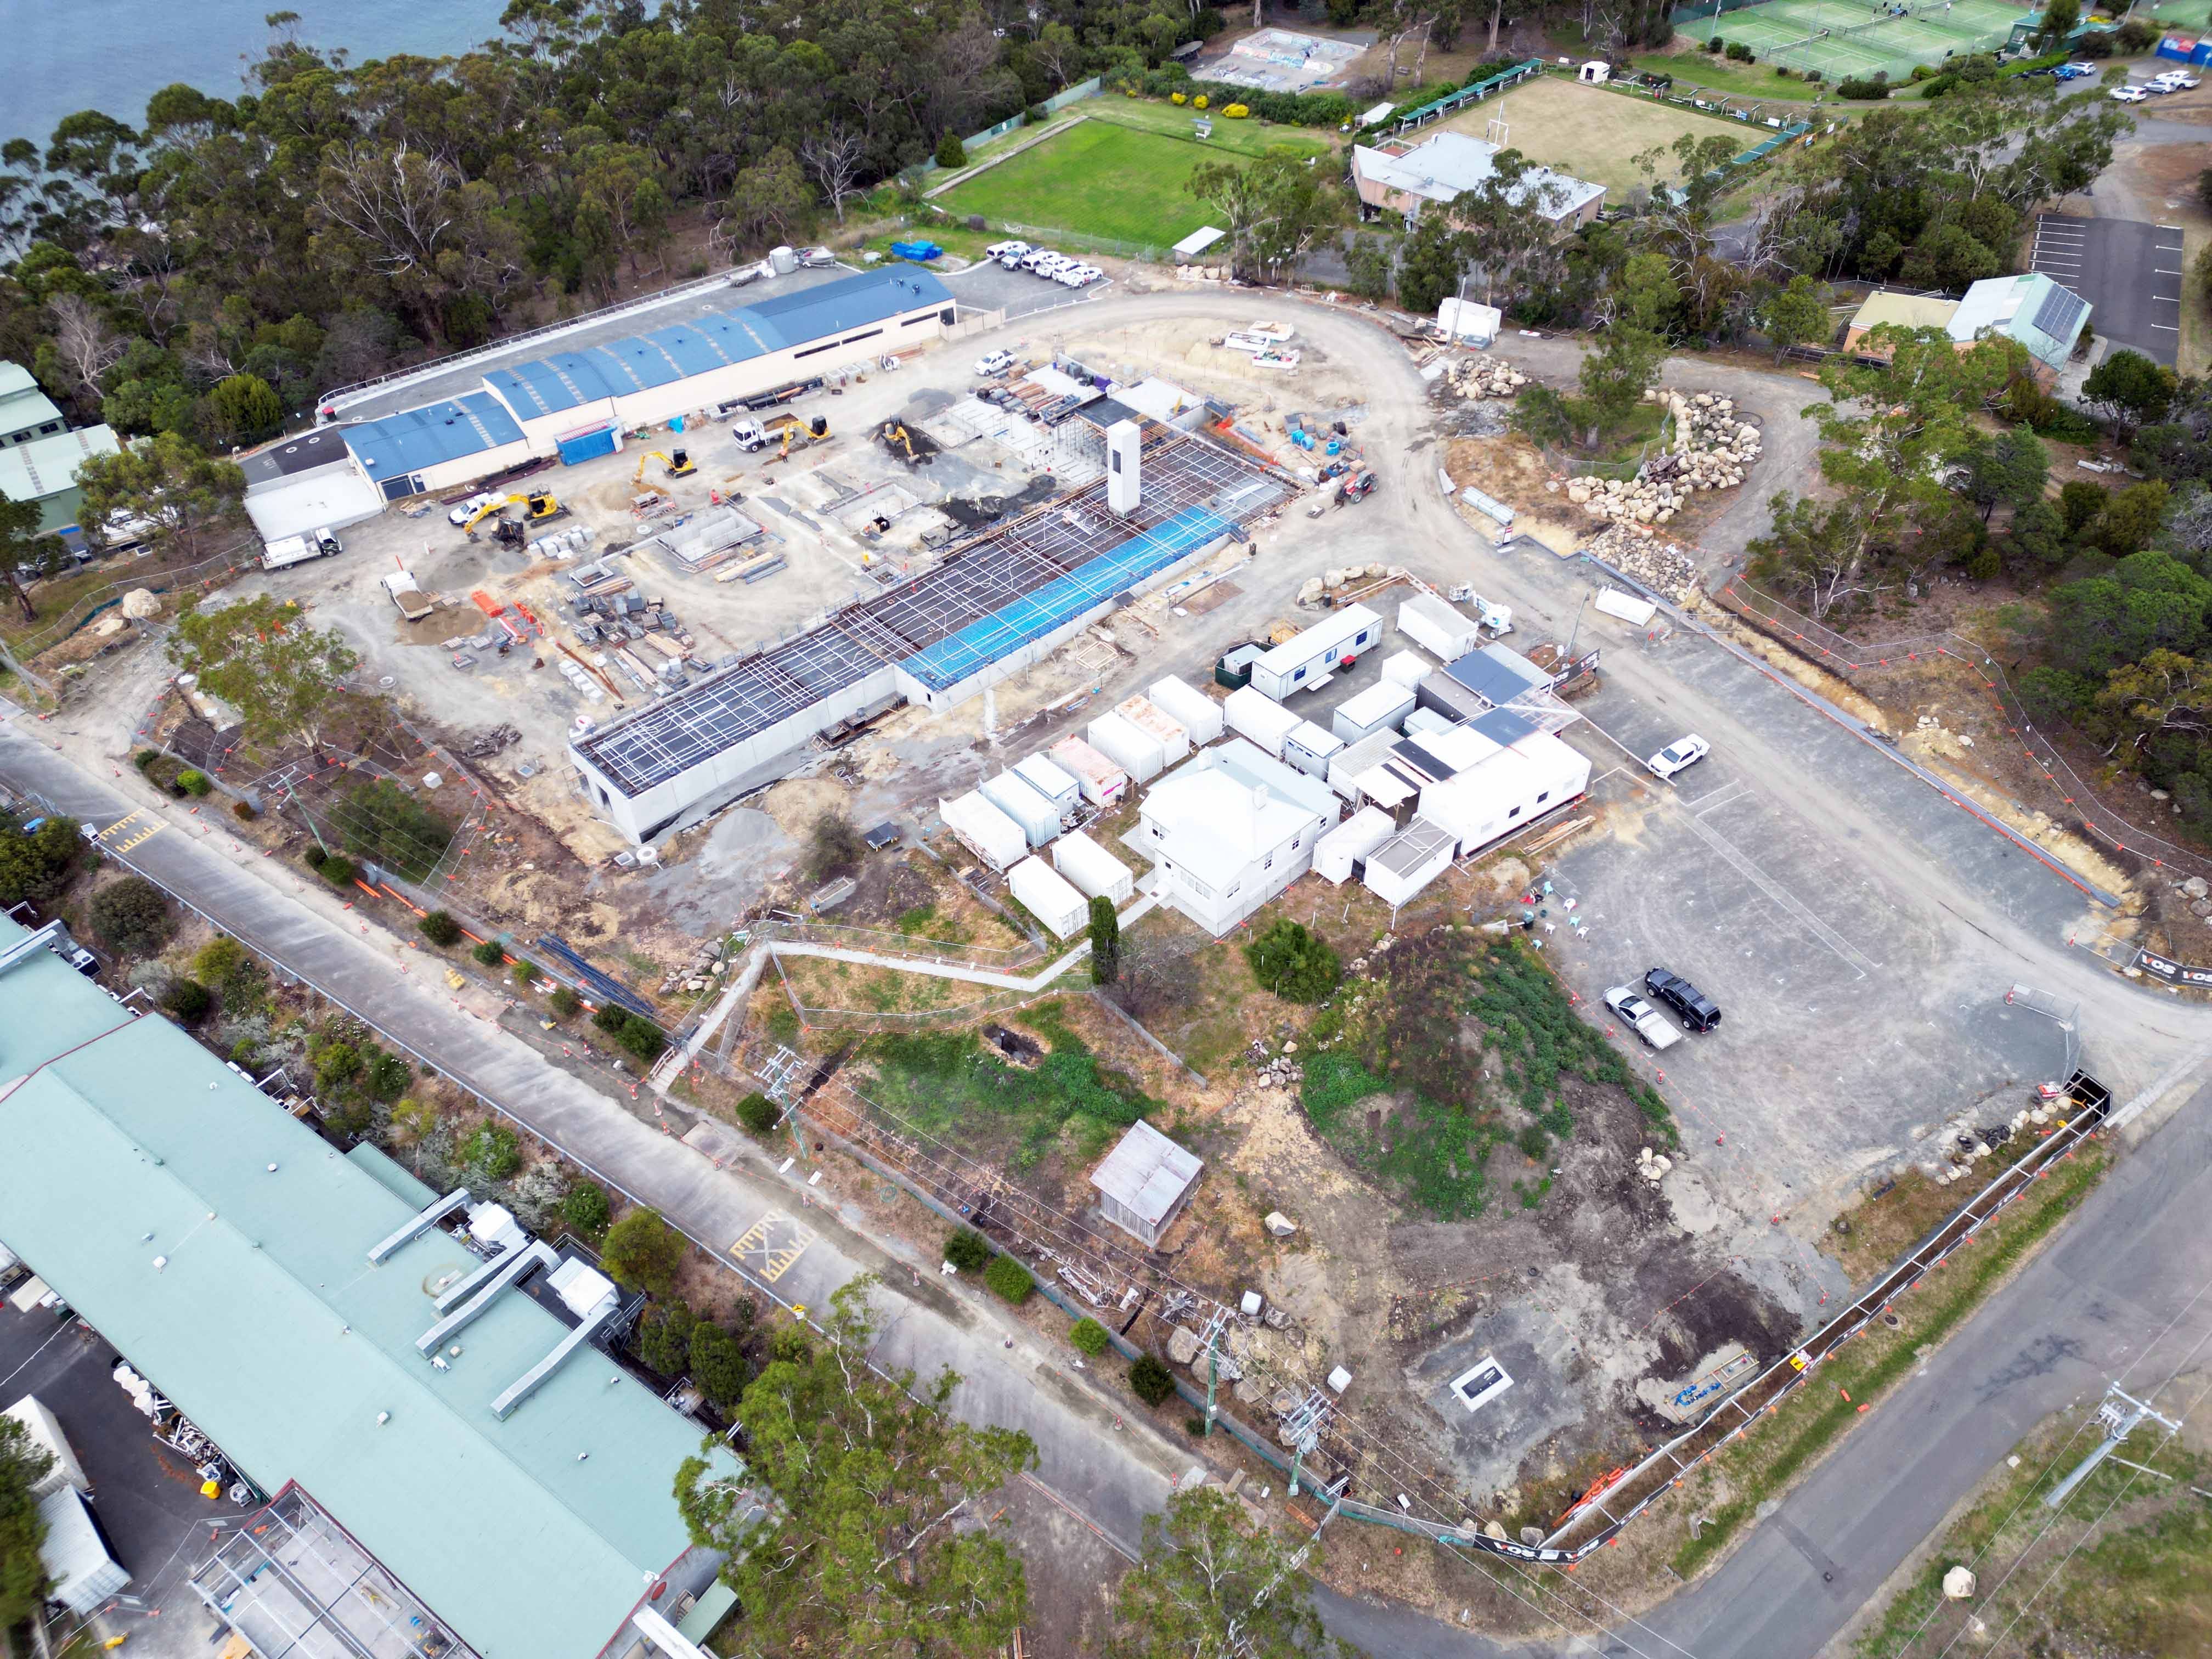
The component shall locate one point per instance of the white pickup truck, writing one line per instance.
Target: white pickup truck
(298, 549)
(1646, 1020)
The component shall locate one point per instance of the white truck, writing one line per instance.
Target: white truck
(298, 549)
(1646, 1020)
(407, 593)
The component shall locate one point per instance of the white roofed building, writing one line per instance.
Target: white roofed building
(1448, 164)
(1224, 839)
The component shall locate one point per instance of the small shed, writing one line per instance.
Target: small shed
(1409, 861)
(1096, 872)
(1188, 708)
(1198, 241)
(1594, 73)
(1382, 707)
(75, 1556)
(1310, 749)
(1347, 845)
(1145, 1182)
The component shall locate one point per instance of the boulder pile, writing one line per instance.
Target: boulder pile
(1652, 1166)
(707, 963)
(1335, 576)
(1712, 449)
(1658, 565)
(1484, 376)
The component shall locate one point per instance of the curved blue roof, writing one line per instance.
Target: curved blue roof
(421, 437)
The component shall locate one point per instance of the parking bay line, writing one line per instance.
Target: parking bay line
(770, 1245)
(1783, 897)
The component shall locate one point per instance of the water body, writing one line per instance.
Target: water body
(113, 55)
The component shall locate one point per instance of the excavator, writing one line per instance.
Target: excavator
(538, 507)
(894, 436)
(813, 432)
(678, 465)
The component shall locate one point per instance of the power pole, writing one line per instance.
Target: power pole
(776, 1075)
(1214, 1328)
(1304, 1427)
(2120, 1414)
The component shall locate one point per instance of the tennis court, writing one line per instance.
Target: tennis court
(1845, 39)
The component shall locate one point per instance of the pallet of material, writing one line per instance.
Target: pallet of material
(755, 568)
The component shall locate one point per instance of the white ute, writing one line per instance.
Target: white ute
(1647, 1022)
(995, 362)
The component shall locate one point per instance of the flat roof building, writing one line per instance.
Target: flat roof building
(1145, 1182)
(26, 412)
(1450, 163)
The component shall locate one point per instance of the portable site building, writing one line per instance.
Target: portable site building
(1426, 723)
(1096, 872)
(1134, 751)
(1038, 817)
(1055, 783)
(1405, 668)
(1337, 853)
(84, 1574)
(1310, 749)
(1381, 707)
(1510, 788)
(1102, 782)
(1307, 659)
(1145, 1182)
(1188, 708)
(1408, 862)
(1155, 723)
(1046, 895)
(1252, 713)
(44, 1430)
(1437, 627)
(984, 830)
(1353, 759)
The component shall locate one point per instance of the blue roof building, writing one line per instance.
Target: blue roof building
(414, 439)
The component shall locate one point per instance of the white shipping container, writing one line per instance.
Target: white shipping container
(1435, 627)
(1381, 707)
(1310, 749)
(1039, 817)
(1173, 740)
(1188, 707)
(1252, 713)
(1335, 853)
(1102, 782)
(1055, 783)
(1133, 751)
(1426, 723)
(1355, 758)
(45, 1430)
(1401, 866)
(984, 830)
(1405, 668)
(1096, 872)
(1046, 895)
(1305, 659)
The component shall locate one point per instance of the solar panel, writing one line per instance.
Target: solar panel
(1503, 726)
(2060, 314)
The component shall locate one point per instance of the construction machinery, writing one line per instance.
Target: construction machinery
(678, 465)
(538, 507)
(792, 433)
(894, 436)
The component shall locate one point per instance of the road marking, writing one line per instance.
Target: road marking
(1725, 795)
(2168, 327)
(1782, 897)
(120, 837)
(770, 1245)
(2161, 270)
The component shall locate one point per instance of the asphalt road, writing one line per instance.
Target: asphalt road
(2131, 273)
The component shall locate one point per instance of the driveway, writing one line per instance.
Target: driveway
(2131, 271)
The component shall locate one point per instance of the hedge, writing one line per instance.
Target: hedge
(968, 1250)
(1009, 1279)
(1090, 1336)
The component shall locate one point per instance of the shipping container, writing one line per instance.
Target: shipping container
(1096, 872)
(1188, 707)
(1308, 659)
(44, 1430)
(984, 830)
(1135, 752)
(1378, 708)
(1039, 817)
(1405, 668)
(1403, 866)
(1426, 723)
(1102, 782)
(1310, 749)
(1337, 853)
(1157, 724)
(1438, 628)
(1252, 713)
(1055, 783)
(1046, 895)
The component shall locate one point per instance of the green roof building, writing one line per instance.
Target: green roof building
(2042, 315)
(465, 1476)
(26, 412)
(39, 454)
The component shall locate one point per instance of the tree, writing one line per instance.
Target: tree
(1293, 963)
(664, 1337)
(2131, 391)
(718, 1363)
(1367, 264)
(834, 156)
(833, 844)
(187, 998)
(1196, 1594)
(642, 1253)
(440, 928)
(951, 152)
(1105, 941)
(85, 343)
(2146, 602)
(191, 501)
(1275, 207)
(2060, 19)
(1430, 264)
(584, 1207)
(1815, 551)
(968, 1250)
(1614, 378)
(2131, 520)
(2009, 470)
(1796, 314)
(1009, 1280)
(859, 1555)
(769, 198)
(36, 866)
(23, 1464)
(23, 543)
(1149, 1380)
(131, 914)
(246, 408)
(261, 656)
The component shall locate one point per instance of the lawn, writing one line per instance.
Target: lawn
(1109, 176)
(1717, 73)
(1591, 133)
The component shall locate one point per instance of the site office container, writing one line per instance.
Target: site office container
(1155, 723)
(1378, 708)
(1338, 854)
(1511, 788)
(1102, 782)
(1047, 895)
(1437, 627)
(1403, 866)
(1251, 714)
(984, 830)
(1405, 668)
(1055, 783)
(1188, 707)
(1134, 751)
(1307, 657)
(1096, 872)
(1038, 817)
(1310, 749)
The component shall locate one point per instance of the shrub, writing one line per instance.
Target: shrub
(388, 1075)
(338, 871)
(1856, 87)
(218, 959)
(1194, 1427)
(131, 914)
(2135, 35)
(643, 1039)
(968, 1250)
(1009, 1280)
(1534, 1141)
(584, 1209)
(1293, 963)
(1811, 75)
(1715, 45)
(187, 998)
(664, 1338)
(194, 782)
(489, 953)
(2093, 45)
(243, 811)
(494, 1151)
(383, 822)
(757, 1113)
(642, 1253)
(951, 152)
(524, 970)
(145, 758)
(337, 1063)
(611, 1019)
(832, 844)
(1741, 52)
(718, 1363)
(1149, 1380)
(314, 857)
(440, 928)
(564, 1002)
(1090, 1337)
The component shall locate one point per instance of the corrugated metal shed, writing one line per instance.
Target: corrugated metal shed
(1145, 1181)
(416, 438)
(83, 1572)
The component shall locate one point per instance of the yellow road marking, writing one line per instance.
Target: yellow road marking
(770, 1245)
(127, 833)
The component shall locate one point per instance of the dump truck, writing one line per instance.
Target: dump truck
(298, 549)
(407, 593)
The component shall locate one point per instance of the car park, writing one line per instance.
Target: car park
(995, 362)
(1640, 1016)
(1682, 752)
(1691, 1006)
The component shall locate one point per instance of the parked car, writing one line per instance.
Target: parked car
(1034, 258)
(1000, 249)
(1692, 1006)
(1050, 264)
(1681, 753)
(2127, 95)
(2160, 88)
(469, 508)
(1015, 253)
(1074, 277)
(2183, 80)
(995, 362)
(1648, 1021)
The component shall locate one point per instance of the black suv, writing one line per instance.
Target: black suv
(1697, 1011)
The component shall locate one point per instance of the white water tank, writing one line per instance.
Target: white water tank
(782, 260)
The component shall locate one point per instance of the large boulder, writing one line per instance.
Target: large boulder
(142, 603)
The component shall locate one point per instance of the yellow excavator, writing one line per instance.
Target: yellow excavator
(538, 507)
(894, 437)
(678, 465)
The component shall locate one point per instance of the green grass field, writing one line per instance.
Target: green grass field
(1120, 174)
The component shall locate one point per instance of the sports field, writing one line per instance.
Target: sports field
(1102, 177)
(1591, 133)
(1855, 37)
